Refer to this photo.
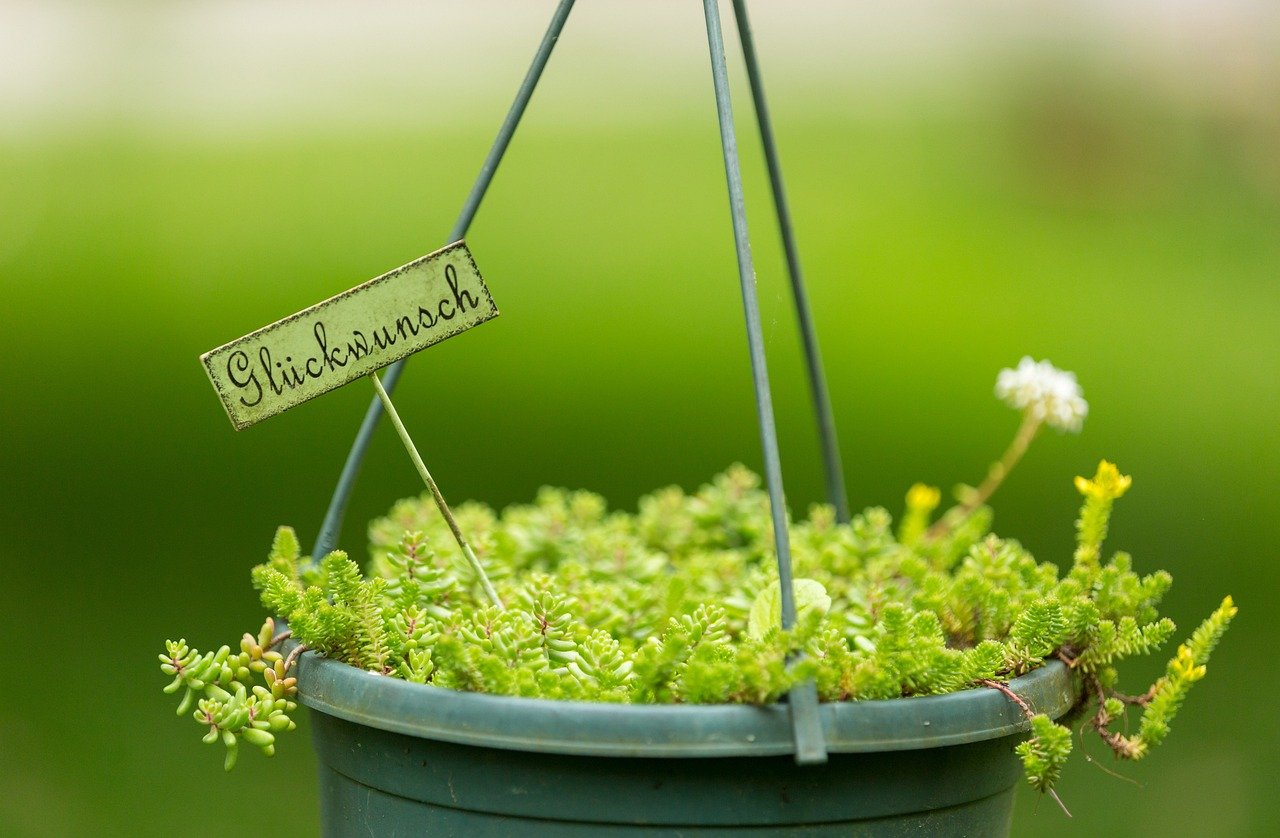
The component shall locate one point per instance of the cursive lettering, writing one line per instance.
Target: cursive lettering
(451, 277)
(238, 361)
(281, 375)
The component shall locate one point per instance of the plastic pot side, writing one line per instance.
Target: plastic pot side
(407, 759)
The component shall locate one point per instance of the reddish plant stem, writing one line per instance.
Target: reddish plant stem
(1029, 713)
(1139, 700)
(1123, 746)
(1009, 694)
(293, 656)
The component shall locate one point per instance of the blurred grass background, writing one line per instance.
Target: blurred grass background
(1099, 186)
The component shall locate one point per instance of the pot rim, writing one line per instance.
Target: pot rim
(672, 730)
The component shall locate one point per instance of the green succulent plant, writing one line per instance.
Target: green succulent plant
(678, 603)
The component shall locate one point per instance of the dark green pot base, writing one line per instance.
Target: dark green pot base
(446, 763)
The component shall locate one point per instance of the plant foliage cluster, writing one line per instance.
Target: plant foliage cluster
(678, 602)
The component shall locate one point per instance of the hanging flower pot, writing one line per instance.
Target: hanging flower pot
(636, 679)
(706, 663)
(408, 759)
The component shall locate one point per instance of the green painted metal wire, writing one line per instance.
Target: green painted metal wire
(332, 524)
(833, 471)
(806, 728)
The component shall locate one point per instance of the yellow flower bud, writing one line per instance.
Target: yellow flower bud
(923, 498)
(1107, 484)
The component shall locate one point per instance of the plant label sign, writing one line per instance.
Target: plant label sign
(349, 336)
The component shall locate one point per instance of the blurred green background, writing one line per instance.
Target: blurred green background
(1099, 186)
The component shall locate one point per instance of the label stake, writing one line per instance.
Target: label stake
(472, 558)
(351, 336)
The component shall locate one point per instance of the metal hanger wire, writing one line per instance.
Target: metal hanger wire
(806, 723)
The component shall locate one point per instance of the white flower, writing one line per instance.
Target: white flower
(1046, 392)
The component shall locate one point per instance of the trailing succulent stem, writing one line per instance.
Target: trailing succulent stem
(1120, 621)
(245, 696)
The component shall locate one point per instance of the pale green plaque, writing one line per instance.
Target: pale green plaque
(350, 335)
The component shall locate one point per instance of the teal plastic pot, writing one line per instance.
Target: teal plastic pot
(406, 759)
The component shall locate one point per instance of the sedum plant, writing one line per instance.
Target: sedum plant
(678, 602)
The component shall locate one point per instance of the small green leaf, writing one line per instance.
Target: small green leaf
(258, 738)
(766, 611)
